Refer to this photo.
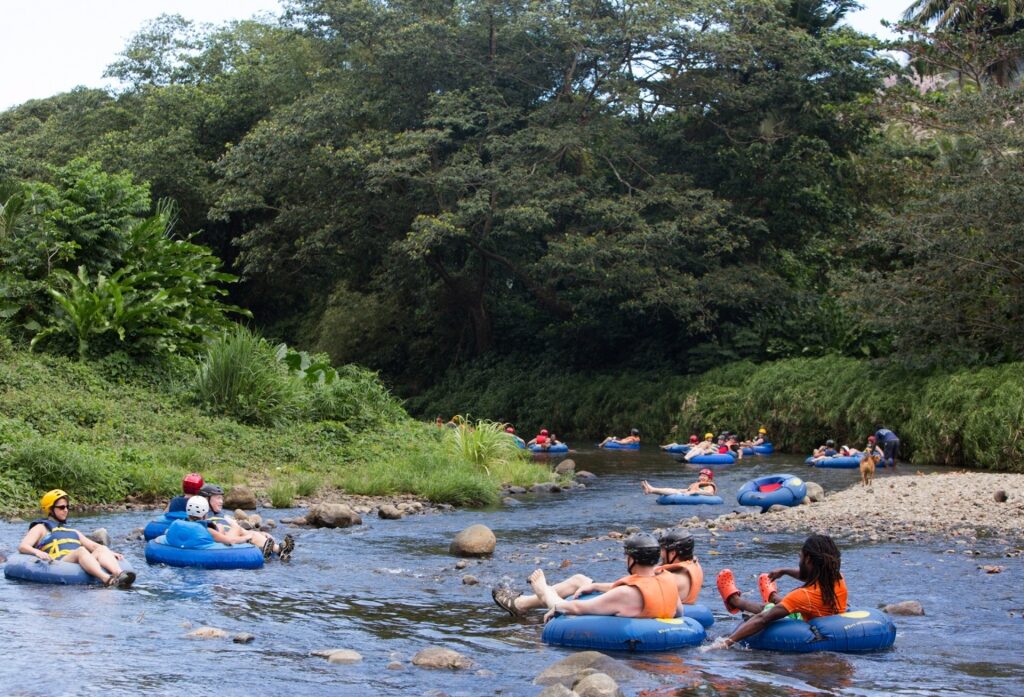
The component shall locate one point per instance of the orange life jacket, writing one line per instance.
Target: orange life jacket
(693, 568)
(659, 593)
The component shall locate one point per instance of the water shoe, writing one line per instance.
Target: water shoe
(727, 587)
(767, 587)
(506, 600)
(286, 548)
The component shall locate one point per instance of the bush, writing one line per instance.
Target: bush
(241, 377)
(356, 398)
(281, 494)
(307, 484)
(47, 463)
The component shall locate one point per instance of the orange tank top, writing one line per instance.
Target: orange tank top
(693, 568)
(659, 593)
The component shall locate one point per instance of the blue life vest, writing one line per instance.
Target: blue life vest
(221, 520)
(830, 452)
(177, 504)
(60, 541)
(189, 534)
(884, 435)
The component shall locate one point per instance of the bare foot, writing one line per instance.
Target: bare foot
(538, 582)
(646, 486)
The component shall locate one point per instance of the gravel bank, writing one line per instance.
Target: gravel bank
(900, 507)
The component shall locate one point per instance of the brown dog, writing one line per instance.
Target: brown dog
(867, 468)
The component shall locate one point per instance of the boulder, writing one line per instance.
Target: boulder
(815, 492)
(241, 515)
(256, 521)
(240, 497)
(584, 474)
(461, 564)
(565, 467)
(389, 512)
(243, 638)
(100, 536)
(474, 541)
(207, 633)
(597, 685)
(516, 490)
(344, 657)
(470, 580)
(557, 690)
(907, 608)
(569, 669)
(439, 657)
(332, 515)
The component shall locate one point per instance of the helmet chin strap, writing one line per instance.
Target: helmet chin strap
(630, 564)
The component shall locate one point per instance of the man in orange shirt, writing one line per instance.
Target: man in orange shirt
(643, 593)
(823, 592)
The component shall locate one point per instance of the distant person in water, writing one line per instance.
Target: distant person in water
(643, 593)
(890, 443)
(704, 485)
(705, 447)
(689, 444)
(511, 430)
(828, 449)
(760, 439)
(823, 591)
(190, 486)
(542, 439)
(226, 524)
(439, 422)
(632, 439)
(49, 539)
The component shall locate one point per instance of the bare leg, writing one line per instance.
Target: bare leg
(83, 558)
(738, 602)
(660, 490)
(107, 560)
(564, 589)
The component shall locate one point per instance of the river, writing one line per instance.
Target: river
(389, 588)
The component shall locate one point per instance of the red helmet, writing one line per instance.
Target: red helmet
(509, 429)
(192, 483)
(543, 431)
(708, 473)
(693, 439)
(871, 439)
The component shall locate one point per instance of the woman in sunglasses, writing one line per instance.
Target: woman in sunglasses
(49, 539)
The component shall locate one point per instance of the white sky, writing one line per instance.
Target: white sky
(51, 46)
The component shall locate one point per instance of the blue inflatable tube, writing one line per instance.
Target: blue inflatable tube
(714, 459)
(612, 445)
(559, 448)
(604, 633)
(854, 631)
(214, 556)
(25, 567)
(156, 528)
(773, 490)
(701, 613)
(678, 448)
(763, 449)
(845, 462)
(689, 500)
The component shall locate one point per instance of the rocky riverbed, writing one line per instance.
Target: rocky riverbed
(899, 507)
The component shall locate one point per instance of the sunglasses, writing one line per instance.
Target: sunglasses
(61, 508)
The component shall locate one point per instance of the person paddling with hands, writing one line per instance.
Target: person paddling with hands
(704, 485)
(50, 539)
(632, 439)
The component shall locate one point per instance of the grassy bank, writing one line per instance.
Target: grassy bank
(973, 418)
(112, 429)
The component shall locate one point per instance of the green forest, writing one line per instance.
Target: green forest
(675, 214)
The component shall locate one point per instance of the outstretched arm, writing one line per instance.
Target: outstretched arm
(776, 574)
(31, 539)
(755, 624)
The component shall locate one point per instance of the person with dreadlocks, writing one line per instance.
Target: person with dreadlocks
(823, 591)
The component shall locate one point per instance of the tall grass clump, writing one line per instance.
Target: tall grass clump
(307, 484)
(281, 494)
(355, 398)
(48, 463)
(241, 377)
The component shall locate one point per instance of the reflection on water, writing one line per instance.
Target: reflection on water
(389, 588)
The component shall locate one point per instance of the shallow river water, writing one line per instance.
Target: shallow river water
(389, 588)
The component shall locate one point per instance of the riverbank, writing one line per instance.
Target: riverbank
(902, 507)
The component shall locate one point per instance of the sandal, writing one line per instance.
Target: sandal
(506, 600)
(125, 579)
(286, 548)
(767, 587)
(268, 548)
(727, 587)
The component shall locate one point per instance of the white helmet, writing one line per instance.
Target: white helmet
(197, 507)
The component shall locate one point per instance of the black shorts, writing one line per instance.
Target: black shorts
(890, 448)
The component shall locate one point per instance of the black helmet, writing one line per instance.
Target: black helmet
(679, 541)
(634, 431)
(830, 442)
(209, 490)
(643, 547)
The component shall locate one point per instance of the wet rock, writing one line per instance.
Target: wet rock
(615, 535)
(256, 521)
(439, 657)
(207, 633)
(597, 685)
(289, 521)
(1000, 496)
(569, 669)
(246, 525)
(584, 474)
(470, 580)
(389, 512)
(100, 536)
(557, 690)
(460, 564)
(991, 569)
(906, 608)
(815, 492)
(300, 521)
(240, 515)
(545, 488)
(475, 541)
(332, 515)
(395, 665)
(484, 673)
(243, 638)
(516, 490)
(240, 497)
(136, 534)
(565, 467)
(632, 530)
(509, 501)
(344, 657)
(269, 524)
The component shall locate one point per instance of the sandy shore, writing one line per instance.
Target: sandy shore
(901, 508)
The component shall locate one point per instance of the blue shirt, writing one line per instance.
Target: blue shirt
(884, 435)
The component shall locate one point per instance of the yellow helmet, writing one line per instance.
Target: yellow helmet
(762, 430)
(709, 435)
(50, 498)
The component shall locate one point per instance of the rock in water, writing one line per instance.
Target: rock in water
(557, 690)
(814, 492)
(474, 541)
(344, 657)
(597, 685)
(470, 580)
(240, 497)
(568, 670)
(332, 515)
(565, 467)
(207, 633)
(243, 638)
(100, 536)
(907, 608)
(584, 474)
(438, 657)
(389, 512)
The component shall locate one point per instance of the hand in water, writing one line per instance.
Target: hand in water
(719, 643)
